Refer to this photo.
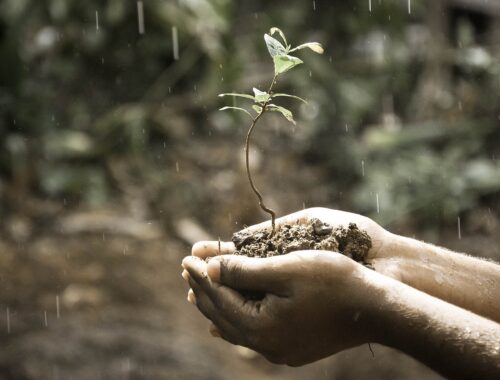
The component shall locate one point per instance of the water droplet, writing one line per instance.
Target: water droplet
(363, 168)
(459, 229)
(140, 16)
(378, 204)
(97, 21)
(175, 43)
(8, 320)
(58, 310)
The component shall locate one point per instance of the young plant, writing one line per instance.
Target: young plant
(264, 100)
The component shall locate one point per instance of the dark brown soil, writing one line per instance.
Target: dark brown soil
(316, 235)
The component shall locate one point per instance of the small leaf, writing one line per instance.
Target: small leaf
(280, 32)
(236, 94)
(314, 46)
(237, 109)
(288, 96)
(283, 63)
(257, 108)
(285, 112)
(274, 46)
(260, 96)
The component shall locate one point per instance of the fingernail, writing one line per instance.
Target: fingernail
(191, 297)
(185, 275)
(213, 270)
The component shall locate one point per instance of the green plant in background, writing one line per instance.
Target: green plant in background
(263, 100)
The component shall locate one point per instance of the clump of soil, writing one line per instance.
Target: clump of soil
(316, 235)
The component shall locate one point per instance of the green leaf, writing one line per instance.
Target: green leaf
(314, 46)
(274, 46)
(260, 96)
(288, 96)
(236, 94)
(257, 108)
(285, 112)
(237, 109)
(280, 32)
(283, 63)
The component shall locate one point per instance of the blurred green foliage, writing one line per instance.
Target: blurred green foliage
(391, 114)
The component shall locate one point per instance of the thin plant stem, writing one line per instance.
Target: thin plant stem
(247, 161)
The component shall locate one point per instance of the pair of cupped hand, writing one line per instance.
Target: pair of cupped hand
(318, 302)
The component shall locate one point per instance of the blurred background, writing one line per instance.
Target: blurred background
(114, 160)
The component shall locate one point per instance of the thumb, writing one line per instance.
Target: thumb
(248, 273)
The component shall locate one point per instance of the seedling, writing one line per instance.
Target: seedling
(263, 100)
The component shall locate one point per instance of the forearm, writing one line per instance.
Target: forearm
(465, 281)
(450, 340)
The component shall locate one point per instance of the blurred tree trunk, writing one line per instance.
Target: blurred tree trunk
(435, 79)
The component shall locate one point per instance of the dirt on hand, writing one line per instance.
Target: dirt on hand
(314, 235)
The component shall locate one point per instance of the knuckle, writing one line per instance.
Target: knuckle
(232, 270)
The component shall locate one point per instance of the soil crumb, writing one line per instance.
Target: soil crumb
(316, 235)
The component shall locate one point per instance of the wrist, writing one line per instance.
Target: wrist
(369, 304)
(393, 252)
(384, 312)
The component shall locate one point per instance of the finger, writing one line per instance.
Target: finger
(231, 303)
(204, 249)
(250, 273)
(226, 330)
(196, 268)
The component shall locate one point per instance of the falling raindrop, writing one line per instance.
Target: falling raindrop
(346, 128)
(378, 204)
(177, 166)
(8, 320)
(58, 313)
(96, 21)
(303, 205)
(175, 43)
(409, 6)
(140, 16)
(45, 319)
(459, 229)
(370, 5)
(363, 168)
(314, 5)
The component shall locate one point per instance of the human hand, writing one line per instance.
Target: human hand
(380, 256)
(316, 303)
